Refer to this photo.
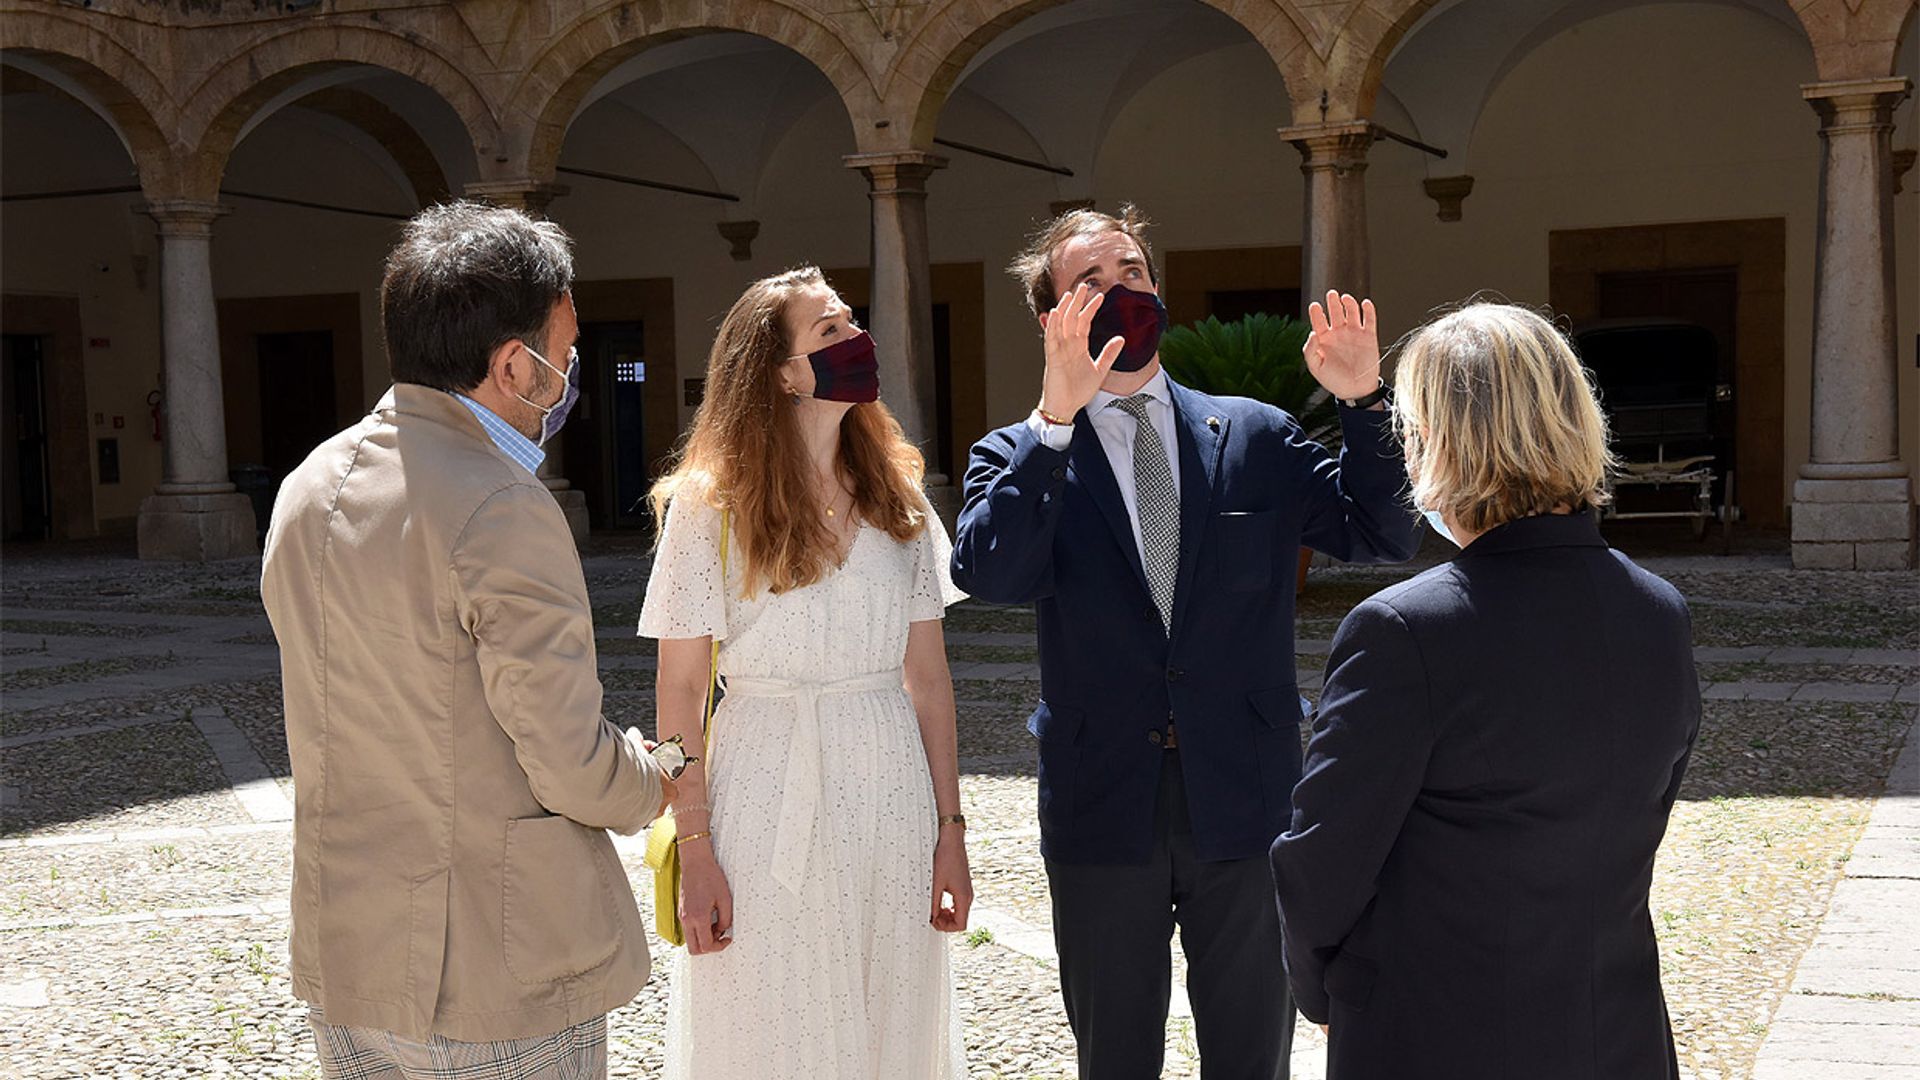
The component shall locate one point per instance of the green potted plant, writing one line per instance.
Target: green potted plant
(1259, 357)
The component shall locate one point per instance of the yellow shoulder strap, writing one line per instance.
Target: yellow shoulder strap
(713, 656)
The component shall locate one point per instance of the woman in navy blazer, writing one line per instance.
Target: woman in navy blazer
(1463, 888)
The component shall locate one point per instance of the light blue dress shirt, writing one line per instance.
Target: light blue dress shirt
(512, 443)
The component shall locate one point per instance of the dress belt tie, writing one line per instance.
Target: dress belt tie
(800, 804)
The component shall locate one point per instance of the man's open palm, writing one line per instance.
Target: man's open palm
(1343, 352)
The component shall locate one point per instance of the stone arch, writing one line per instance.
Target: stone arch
(1858, 40)
(103, 75)
(219, 109)
(544, 100)
(1358, 61)
(948, 38)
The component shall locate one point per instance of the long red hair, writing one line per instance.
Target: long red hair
(744, 453)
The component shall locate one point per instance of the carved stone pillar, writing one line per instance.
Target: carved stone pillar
(195, 514)
(900, 305)
(1333, 243)
(1853, 505)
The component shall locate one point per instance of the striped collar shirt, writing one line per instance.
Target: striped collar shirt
(511, 443)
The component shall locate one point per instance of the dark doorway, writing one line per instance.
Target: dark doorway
(605, 442)
(1706, 297)
(26, 491)
(298, 406)
(1230, 304)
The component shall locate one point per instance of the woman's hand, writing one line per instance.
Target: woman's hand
(952, 881)
(1343, 351)
(706, 904)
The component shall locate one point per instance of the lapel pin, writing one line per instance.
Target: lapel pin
(1214, 423)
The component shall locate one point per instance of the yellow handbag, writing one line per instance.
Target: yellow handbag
(663, 855)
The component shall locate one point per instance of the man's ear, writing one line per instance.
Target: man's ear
(1043, 320)
(500, 369)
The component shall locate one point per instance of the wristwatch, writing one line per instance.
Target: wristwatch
(1367, 401)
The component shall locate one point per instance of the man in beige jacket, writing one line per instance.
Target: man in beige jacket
(457, 903)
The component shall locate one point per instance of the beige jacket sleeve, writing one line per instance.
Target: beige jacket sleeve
(522, 598)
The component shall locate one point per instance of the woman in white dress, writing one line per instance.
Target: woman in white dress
(822, 849)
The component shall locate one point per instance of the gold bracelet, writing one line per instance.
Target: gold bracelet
(1052, 419)
(678, 840)
(951, 819)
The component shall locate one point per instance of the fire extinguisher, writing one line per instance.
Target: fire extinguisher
(153, 399)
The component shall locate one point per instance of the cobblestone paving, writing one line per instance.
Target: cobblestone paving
(143, 908)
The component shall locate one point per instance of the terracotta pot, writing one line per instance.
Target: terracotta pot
(1300, 581)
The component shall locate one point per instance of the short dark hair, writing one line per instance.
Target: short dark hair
(1033, 267)
(465, 279)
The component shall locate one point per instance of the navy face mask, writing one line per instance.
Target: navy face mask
(1138, 317)
(846, 370)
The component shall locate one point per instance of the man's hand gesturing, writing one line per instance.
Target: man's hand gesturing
(1073, 375)
(1343, 352)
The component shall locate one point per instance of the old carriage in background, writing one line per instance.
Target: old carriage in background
(1669, 412)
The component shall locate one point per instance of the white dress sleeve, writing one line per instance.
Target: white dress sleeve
(686, 597)
(933, 590)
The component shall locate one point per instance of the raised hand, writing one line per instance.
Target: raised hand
(1073, 375)
(1343, 352)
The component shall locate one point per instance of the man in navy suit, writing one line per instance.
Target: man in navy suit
(1156, 529)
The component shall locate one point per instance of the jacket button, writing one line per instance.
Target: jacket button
(1175, 674)
(1155, 737)
(1059, 472)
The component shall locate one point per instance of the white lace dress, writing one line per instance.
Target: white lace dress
(823, 817)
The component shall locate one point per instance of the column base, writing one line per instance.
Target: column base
(1855, 524)
(197, 528)
(573, 503)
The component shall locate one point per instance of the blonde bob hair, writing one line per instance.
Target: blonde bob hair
(1498, 418)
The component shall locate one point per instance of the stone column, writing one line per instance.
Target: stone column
(1852, 505)
(195, 514)
(1333, 244)
(533, 198)
(900, 307)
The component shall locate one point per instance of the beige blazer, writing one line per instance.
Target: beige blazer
(453, 776)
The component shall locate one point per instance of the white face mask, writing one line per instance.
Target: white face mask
(1440, 526)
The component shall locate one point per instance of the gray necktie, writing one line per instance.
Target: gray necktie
(1154, 499)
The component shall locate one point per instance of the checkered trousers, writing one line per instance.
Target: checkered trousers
(358, 1053)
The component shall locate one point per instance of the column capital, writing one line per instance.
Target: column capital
(184, 217)
(1342, 144)
(1856, 104)
(527, 195)
(898, 171)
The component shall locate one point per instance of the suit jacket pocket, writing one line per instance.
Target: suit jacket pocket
(1350, 980)
(557, 904)
(1243, 543)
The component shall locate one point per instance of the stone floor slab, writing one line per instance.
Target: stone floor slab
(1841, 691)
(253, 783)
(1859, 1043)
(1823, 1009)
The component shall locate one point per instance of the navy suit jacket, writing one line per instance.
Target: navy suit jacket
(1048, 527)
(1463, 891)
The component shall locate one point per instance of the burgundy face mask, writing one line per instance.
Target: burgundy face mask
(1139, 317)
(846, 371)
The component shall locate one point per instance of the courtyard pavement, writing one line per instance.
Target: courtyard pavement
(145, 806)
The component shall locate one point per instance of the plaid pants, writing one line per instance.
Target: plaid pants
(358, 1053)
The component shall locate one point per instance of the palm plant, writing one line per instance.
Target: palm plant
(1256, 357)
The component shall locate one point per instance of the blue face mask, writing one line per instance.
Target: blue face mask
(1440, 526)
(553, 417)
